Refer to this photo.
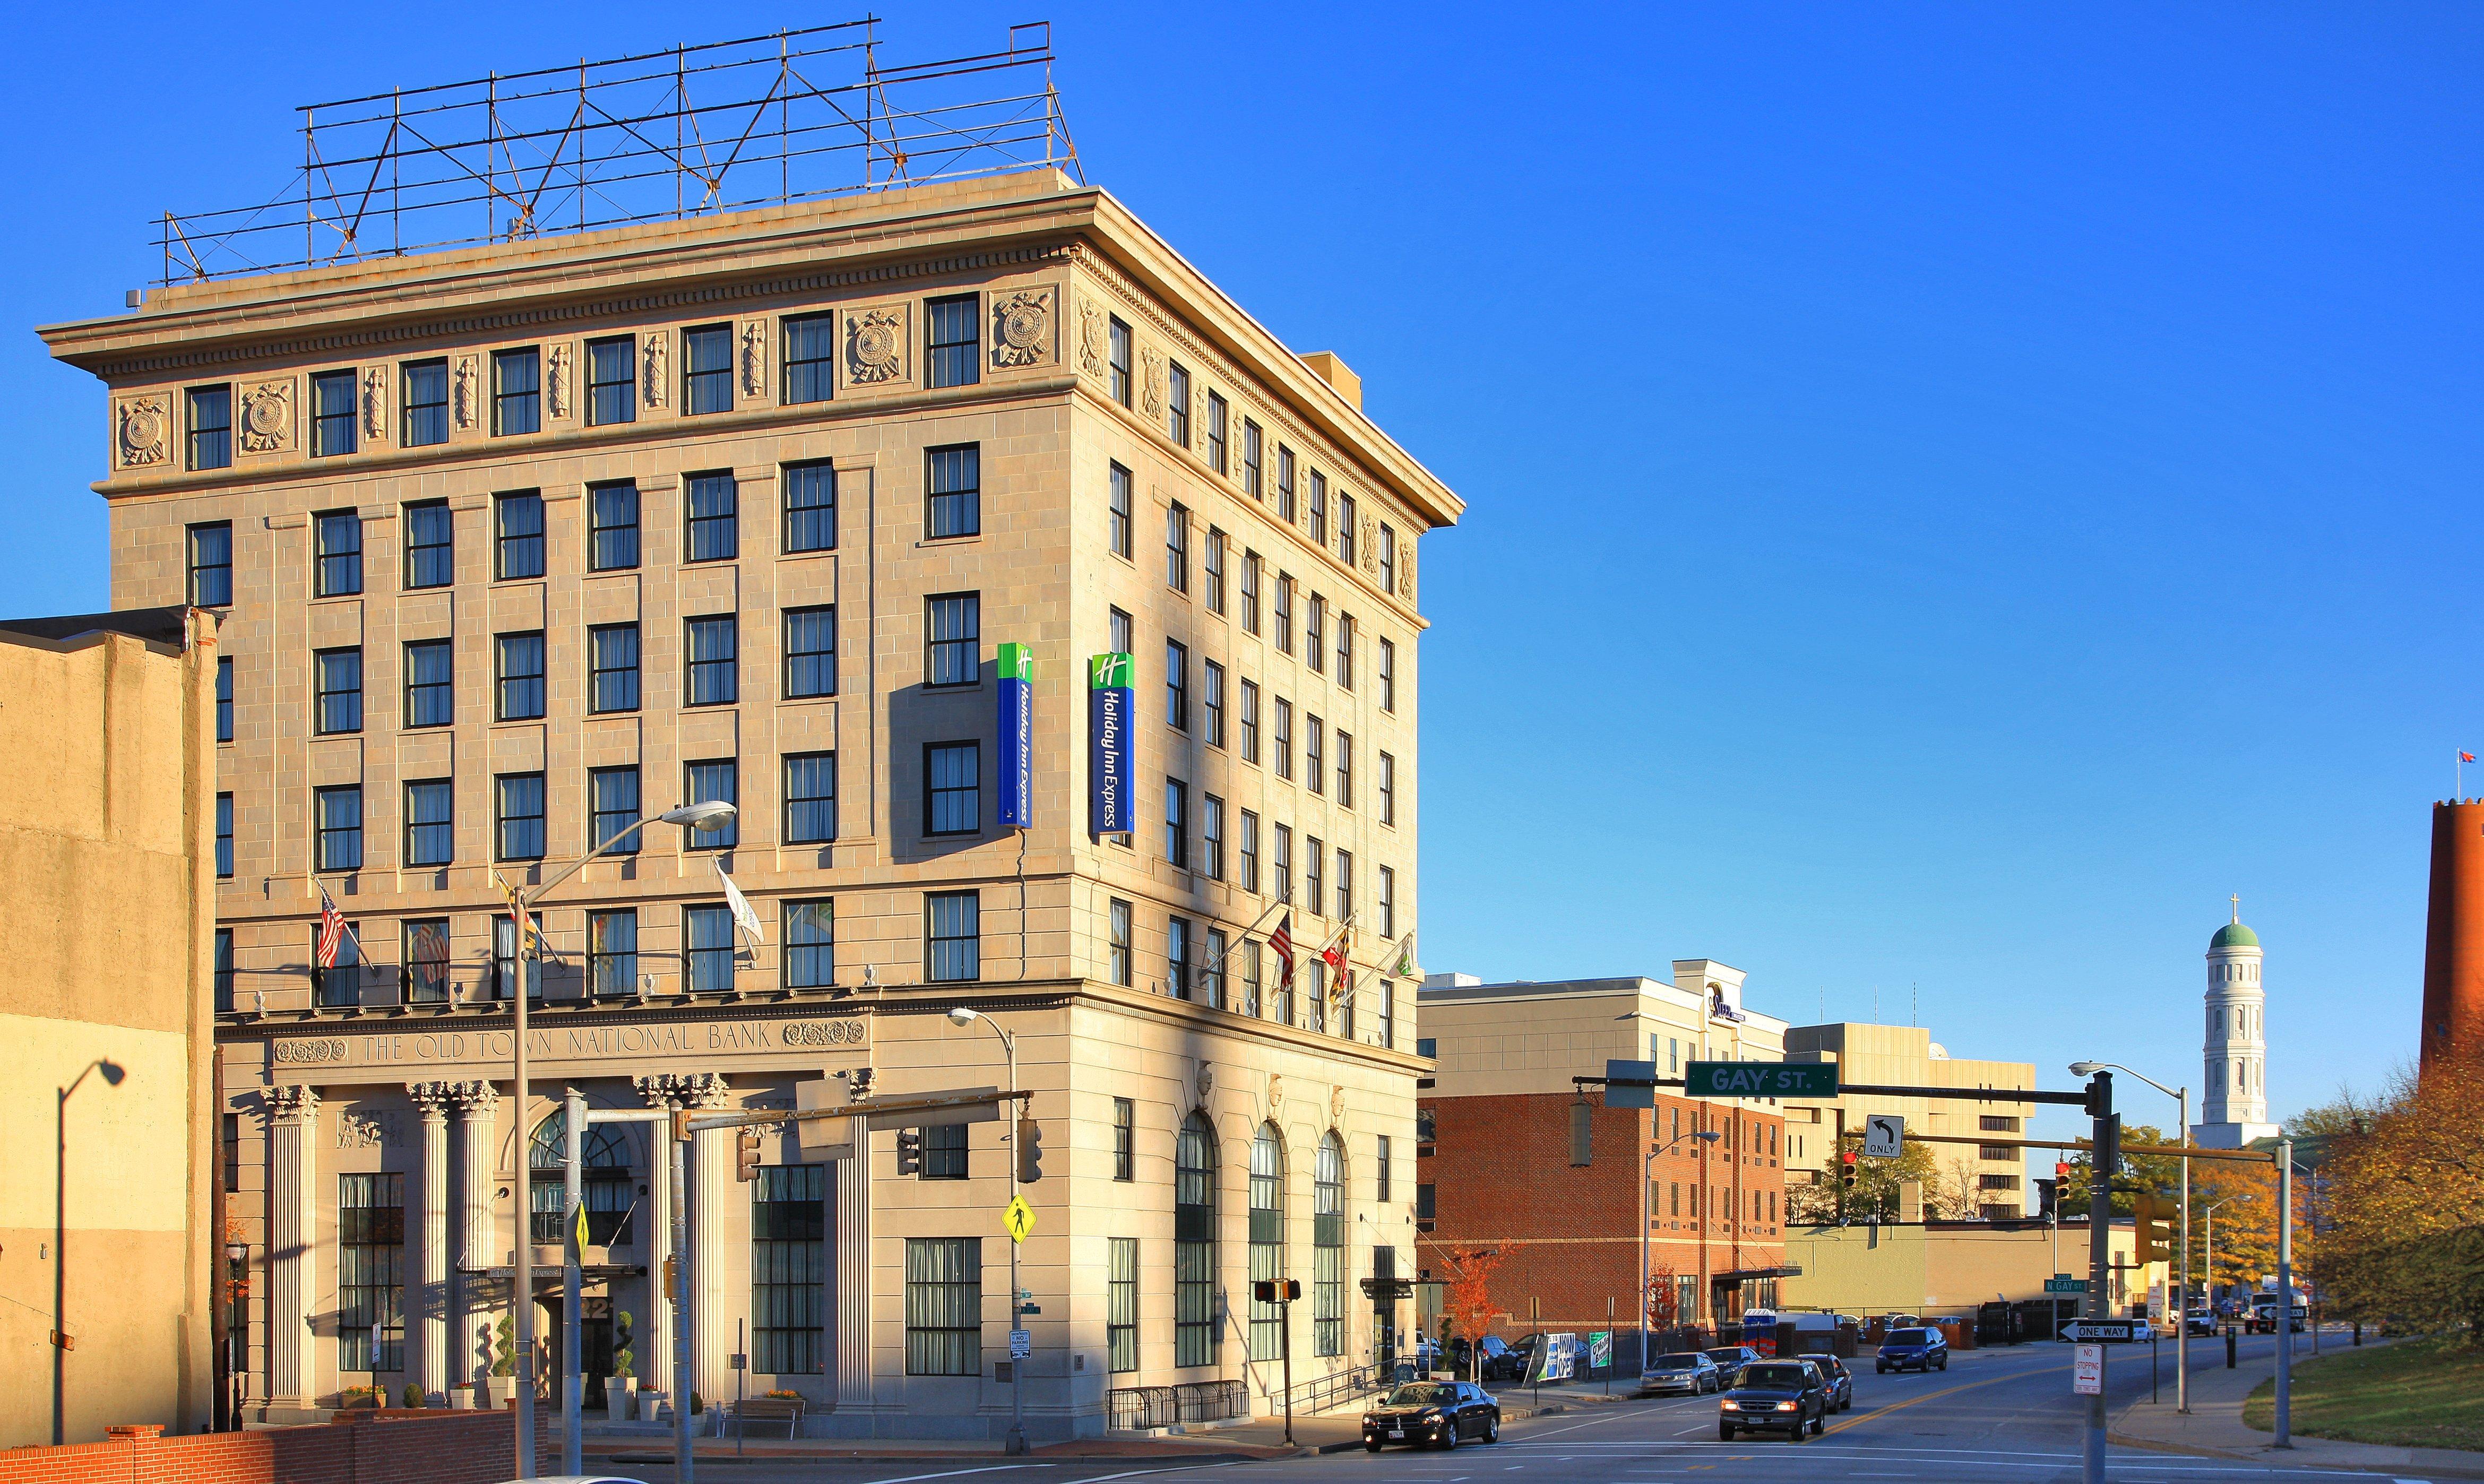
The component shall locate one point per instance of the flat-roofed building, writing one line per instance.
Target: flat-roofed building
(1977, 1177)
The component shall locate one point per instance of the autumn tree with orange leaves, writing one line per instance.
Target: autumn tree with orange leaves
(1466, 1298)
(2399, 1204)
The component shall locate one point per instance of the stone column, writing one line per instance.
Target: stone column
(478, 1105)
(293, 1227)
(713, 1304)
(851, 1288)
(429, 1299)
(655, 1346)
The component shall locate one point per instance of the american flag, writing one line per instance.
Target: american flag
(331, 929)
(1283, 941)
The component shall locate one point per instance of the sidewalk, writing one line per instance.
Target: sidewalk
(2215, 1429)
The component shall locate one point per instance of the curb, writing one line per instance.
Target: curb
(2199, 1450)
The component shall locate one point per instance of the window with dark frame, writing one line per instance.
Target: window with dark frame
(224, 698)
(613, 528)
(612, 667)
(810, 358)
(1267, 1233)
(1345, 769)
(707, 948)
(504, 963)
(714, 513)
(1387, 676)
(430, 838)
(430, 545)
(1211, 837)
(224, 836)
(1250, 592)
(713, 648)
(1251, 461)
(1122, 1303)
(428, 692)
(613, 954)
(1346, 651)
(1345, 549)
(1316, 634)
(1179, 970)
(1177, 549)
(518, 535)
(517, 391)
(423, 402)
(951, 341)
(339, 986)
(1345, 887)
(953, 485)
(1118, 480)
(333, 426)
(1327, 1247)
(952, 787)
(1117, 953)
(517, 663)
(612, 796)
(212, 565)
(1319, 509)
(1250, 721)
(1217, 416)
(1387, 903)
(223, 1003)
(1211, 970)
(1284, 739)
(611, 381)
(1380, 1171)
(1284, 484)
(952, 632)
(1116, 637)
(1314, 876)
(1177, 403)
(370, 1273)
(952, 937)
(810, 945)
(1284, 613)
(789, 1234)
(1177, 836)
(810, 797)
(1118, 358)
(1248, 852)
(707, 369)
(810, 507)
(337, 677)
(338, 812)
(1212, 566)
(712, 780)
(944, 1306)
(1212, 702)
(1177, 685)
(1125, 1118)
(945, 1150)
(336, 566)
(1388, 557)
(425, 975)
(810, 652)
(519, 828)
(210, 427)
(1193, 1237)
(1281, 864)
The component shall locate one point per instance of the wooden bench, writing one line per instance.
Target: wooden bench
(787, 1409)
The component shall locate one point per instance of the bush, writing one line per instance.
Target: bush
(696, 1406)
(414, 1397)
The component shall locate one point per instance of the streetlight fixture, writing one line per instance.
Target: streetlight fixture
(2182, 1321)
(699, 816)
(111, 1076)
(961, 1017)
(1647, 1217)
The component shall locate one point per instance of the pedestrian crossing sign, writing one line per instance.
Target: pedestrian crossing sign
(1018, 1218)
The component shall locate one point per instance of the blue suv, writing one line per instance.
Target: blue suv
(1918, 1349)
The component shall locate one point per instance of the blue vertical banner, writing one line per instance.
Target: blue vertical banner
(1017, 735)
(1112, 761)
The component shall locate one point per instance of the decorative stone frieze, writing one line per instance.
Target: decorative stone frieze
(876, 346)
(267, 417)
(1022, 328)
(145, 424)
(653, 361)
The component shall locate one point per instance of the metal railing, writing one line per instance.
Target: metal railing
(1322, 1392)
(1132, 1407)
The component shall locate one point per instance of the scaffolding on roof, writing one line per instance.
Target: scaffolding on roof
(517, 155)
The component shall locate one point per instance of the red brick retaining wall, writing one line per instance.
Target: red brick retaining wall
(437, 1447)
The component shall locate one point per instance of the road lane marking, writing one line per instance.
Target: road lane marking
(952, 1474)
(1880, 1412)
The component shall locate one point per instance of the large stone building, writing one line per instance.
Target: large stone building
(519, 543)
(107, 1188)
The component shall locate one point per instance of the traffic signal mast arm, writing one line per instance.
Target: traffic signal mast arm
(686, 1123)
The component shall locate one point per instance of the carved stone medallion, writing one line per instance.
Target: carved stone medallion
(1091, 339)
(875, 346)
(560, 381)
(466, 392)
(754, 358)
(144, 424)
(654, 362)
(1021, 328)
(267, 417)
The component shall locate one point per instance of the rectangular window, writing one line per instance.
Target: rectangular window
(338, 679)
(1116, 961)
(1248, 852)
(1284, 613)
(1346, 651)
(715, 507)
(1178, 968)
(1212, 703)
(430, 550)
(1176, 839)
(1387, 676)
(338, 568)
(1314, 771)
(518, 542)
(210, 427)
(1313, 865)
(810, 356)
(504, 963)
(224, 836)
(707, 947)
(810, 507)
(1388, 557)
(339, 986)
(810, 797)
(211, 565)
(1118, 640)
(613, 954)
(1212, 565)
(1251, 443)
(1996, 1123)
(789, 1234)
(429, 837)
(225, 986)
(1248, 956)
(425, 402)
(332, 414)
(612, 667)
(428, 698)
(948, 342)
(1284, 484)
(370, 1273)
(707, 369)
(1314, 630)
(1280, 863)
(1380, 1171)
(611, 381)
(952, 787)
(1345, 528)
(613, 797)
(953, 629)
(613, 528)
(1388, 789)
(1212, 971)
(1250, 721)
(518, 664)
(1118, 480)
(953, 485)
(1319, 508)
(1284, 739)
(715, 781)
(1177, 549)
(1426, 1204)
(1216, 423)
(810, 652)
(340, 812)
(1387, 905)
(1250, 592)
(944, 1306)
(517, 391)
(1176, 686)
(714, 650)
(1125, 1118)
(953, 950)
(1117, 356)
(520, 825)
(1177, 403)
(810, 945)
(1211, 837)
(1344, 769)
(2005, 1153)
(1345, 886)
(225, 699)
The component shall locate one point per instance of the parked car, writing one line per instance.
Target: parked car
(2262, 1319)
(1917, 1349)
(1841, 1381)
(1784, 1397)
(1500, 1362)
(2201, 1321)
(1441, 1414)
(1685, 1370)
(1730, 1359)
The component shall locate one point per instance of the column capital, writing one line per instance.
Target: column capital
(676, 1091)
(293, 1101)
(474, 1099)
(432, 1098)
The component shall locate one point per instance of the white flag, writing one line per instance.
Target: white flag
(744, 917)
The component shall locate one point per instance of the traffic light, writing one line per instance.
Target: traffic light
(2101, 1095)
(1030, 1151)
(1846, 1169)
(745, 1155)
(2048, 1200)
(1580, 1119)
(910, 1151)
(1274, 1290)
(2153, 1226)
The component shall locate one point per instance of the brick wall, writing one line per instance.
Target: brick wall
(473, 1448)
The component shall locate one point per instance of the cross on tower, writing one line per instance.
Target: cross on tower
(2237, 901)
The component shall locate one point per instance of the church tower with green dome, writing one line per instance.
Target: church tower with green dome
(2235, 1058)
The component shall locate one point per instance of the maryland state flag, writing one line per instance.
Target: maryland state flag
(1338, 956)
(528, 922)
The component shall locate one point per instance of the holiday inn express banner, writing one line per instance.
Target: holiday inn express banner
(1112, 754)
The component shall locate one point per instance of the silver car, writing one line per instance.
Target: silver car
(1687, 1372)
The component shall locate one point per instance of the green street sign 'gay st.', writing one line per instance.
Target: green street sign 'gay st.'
(1759, 1079)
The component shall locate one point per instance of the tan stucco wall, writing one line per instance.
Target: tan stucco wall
(1856, 1270)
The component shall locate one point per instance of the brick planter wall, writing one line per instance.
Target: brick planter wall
(395, 1447)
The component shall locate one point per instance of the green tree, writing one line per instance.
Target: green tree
(1875, 1190)
(2159, 1175)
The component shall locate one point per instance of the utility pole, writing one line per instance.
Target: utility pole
(2106, 1143)
(2284, 1292)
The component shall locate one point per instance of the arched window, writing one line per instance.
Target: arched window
(1327, 1247)
(609, 1192)
(1267, 1237)
(1193, 1244)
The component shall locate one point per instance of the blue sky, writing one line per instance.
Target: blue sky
(1953, 492)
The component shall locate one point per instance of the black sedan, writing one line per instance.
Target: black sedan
(1441, 1412)
(1775, 1396)
(1841, 1381)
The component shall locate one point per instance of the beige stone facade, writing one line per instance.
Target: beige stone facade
(107, 841)
(1992, 1177)
(786, 394)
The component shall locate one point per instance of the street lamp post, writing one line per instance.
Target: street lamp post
(2182, 1322)
(111, 1076)
(699, 816)
(1016, 1443)
(1647, 1217)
